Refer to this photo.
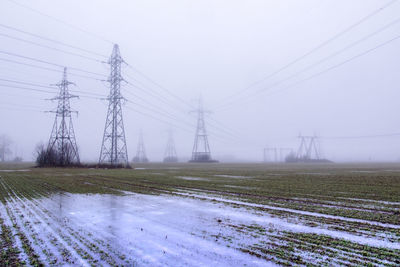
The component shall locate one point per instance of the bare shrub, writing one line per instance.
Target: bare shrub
(47, 156)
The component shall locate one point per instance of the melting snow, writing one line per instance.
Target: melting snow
(231, 176)
(15, 170)
(162, 230)
(192, 178)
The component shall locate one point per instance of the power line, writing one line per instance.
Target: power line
(50, 47)
(162, 113)
(170, 116)
(50, 87)
(315, 49)
(62, 22)
(160, 86)
(47, 62)
(88, 93)
(158, 97)
(221, 128)
(137, 111)
(150, 92)
(311, 66)
(21, 72)
(75, 47)
(340, 64)
(165, 113)
(42, 91)
(159, 110)
(19, 105)
(156, 118)
(52, 40)
(19, 95)
(336, 65)
(173, 118)
(49, 69)
(27, 83)
(362, 136)
(24, 109)
(25, 88)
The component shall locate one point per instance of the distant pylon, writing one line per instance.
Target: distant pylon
(308, 149)
(113, 149)
(141, 152)
(62, 138)
(170, 152)
(201, 148)
(270, 154)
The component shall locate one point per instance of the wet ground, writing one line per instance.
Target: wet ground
(141, 229)
(192, 226)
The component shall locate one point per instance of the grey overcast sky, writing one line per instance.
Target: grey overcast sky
(217, 49)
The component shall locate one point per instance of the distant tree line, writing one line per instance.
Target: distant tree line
(293, 158)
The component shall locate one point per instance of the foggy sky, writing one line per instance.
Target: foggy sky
(213, 48)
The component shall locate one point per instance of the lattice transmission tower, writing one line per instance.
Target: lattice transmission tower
(201, 149)
(308, 149)
(141, 151)
(113, 149)
(62, 138)
(170, 152)
(270, 154)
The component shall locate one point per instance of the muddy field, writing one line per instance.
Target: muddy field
(201, 215)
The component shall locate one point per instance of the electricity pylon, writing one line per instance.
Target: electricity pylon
(201, 148)
(308, 149)
(170, 152)
(113, 149)
(270, 154)
(141, 151)
(62, 138)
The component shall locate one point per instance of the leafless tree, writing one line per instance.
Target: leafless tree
(5, 143)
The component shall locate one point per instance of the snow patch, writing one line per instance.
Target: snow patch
(190, 178)
(232, 176)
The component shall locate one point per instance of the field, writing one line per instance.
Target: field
(202, 215)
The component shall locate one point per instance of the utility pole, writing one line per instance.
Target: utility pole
(113, 149)
(141, 152)
(62, 138)
(201, 148)
(170, 152)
